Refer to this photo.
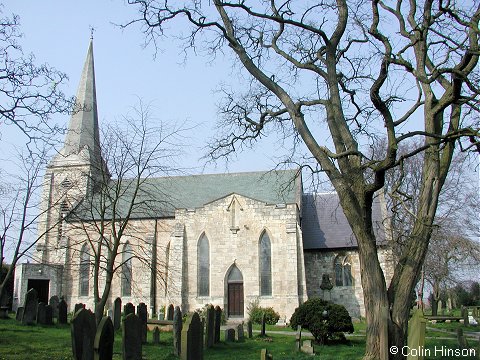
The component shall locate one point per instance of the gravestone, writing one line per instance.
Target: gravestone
(262, 331)
(132, 337)
(177, 331)
(416, 335)
(143, 316)
(30, 307)
(210, 327)
(170, 310)
(117, 313)
(83, 334)
(4, 312)
(466, 321)
(48, 315)
(128, 309)
(239, 333)
(78, 307)
(104, 338)
(110, 314)
(53, 302)
(218, 323)
(41, 319)
(192, 336)
(19, 314)
(462, 341)
(160, 316)
(156, 336)
(307, 347)
(298, 338)
(62, 312)
(264, 355)
(229, 335)
(249, 329)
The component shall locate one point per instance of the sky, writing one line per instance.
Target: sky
(181, 91)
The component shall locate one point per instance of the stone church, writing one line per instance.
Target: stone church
(221, 239)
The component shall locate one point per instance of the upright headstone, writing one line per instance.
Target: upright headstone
(210, 326)
(19, 314)
(132, 337)
(229, 335)
(462, 342)
(192, 336)
(143, 315)
(156, 335)
(218, 323)
(62, 312)
(416, 335)
(30, 307)
(262, 331)
(307, 347)
(48, 315)
(298, 338)
(239, 333)
(249, 329)
(117, 313)
(177, 331)
(53, 302)
(128, 309)
(264, 355)
(104, 337)
(83, 334)
(170, 310)
(41, 319)
(466, 321)
(78, 307)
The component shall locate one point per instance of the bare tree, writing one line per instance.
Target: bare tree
(30, 93)
(334, 75)
(111, 215)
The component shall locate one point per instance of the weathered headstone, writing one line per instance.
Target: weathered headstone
(83, 334)
(156, 336)
(78, 307)
(249, 329)
(128, 309)
(177, 331)
(62, 312)
(239, 333)
(104, 338)
(262, 331)
(416, 335)
(48, 315)
(465, 316)
(298, 338)
(132, 337)
(4, 312)
(264, 355)
(462, 341)
(53, 302)
(307, 347)
(170, 310)
(30, 307)
(210, 326)
(117, 313)
(218, 323)
(143, 316)
(192, 336)
(230, 335)
(160, 316)
(19, 314)
(41, 320)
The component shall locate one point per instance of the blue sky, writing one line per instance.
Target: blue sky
(58, 33)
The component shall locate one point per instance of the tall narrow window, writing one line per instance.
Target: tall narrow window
(343, 271)
(84, 271)
(203, 267)
(167, 259)
(265, 265)
(127, 270)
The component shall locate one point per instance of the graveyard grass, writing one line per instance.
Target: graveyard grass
(18, 342)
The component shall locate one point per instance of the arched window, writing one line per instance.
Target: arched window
(265, 265)
(203, 266)
(343, 271)
(127, 270)
(84, 271)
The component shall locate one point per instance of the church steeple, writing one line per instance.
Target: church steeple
(83, 134)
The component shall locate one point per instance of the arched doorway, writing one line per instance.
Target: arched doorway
(235, 300)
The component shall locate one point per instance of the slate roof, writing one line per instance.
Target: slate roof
(324, 225)
(160, 197)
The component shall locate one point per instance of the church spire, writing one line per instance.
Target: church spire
(83, 134)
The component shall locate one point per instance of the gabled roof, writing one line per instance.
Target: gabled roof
(324, 225)
(160, 197)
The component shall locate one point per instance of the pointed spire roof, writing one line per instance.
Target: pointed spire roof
(83, 133)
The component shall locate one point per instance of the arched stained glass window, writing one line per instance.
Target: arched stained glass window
(84, 271)
(127, 270)
(265, 265)
(343, 271)
(203, 266)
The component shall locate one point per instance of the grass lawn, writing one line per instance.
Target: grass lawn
(18, 342)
